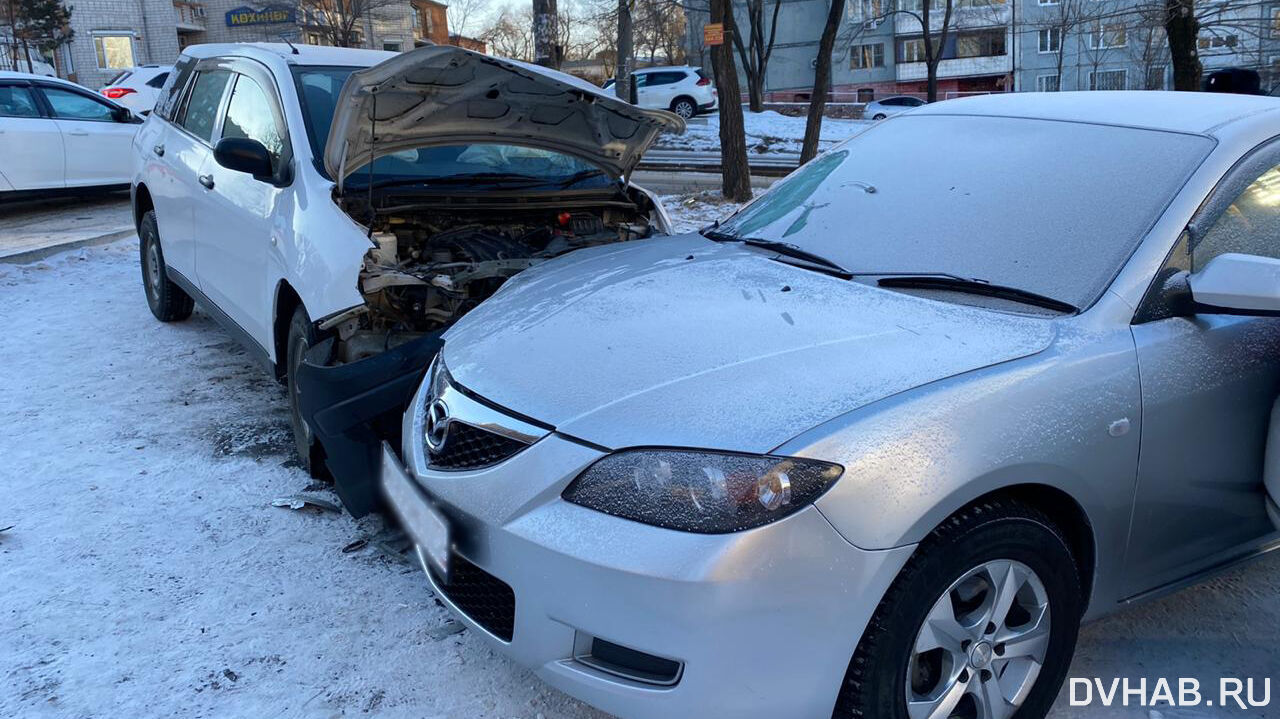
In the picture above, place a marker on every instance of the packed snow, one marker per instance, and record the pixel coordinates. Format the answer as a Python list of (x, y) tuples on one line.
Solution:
[(768, 132), (147, 573)]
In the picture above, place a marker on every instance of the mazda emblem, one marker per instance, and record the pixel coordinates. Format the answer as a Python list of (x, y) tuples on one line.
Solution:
[(437, 429)]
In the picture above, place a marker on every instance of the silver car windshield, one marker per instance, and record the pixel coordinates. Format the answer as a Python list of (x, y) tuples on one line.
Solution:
[(1054, 208)]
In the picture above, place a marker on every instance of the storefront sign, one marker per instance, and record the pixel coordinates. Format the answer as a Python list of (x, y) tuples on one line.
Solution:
[(245, 15)]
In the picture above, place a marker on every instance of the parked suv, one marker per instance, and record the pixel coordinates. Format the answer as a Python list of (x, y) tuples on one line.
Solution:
[(337, 209), (686, 91)]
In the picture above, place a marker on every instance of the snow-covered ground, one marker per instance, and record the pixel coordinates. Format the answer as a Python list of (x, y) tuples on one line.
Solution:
[(767, 132), (147, 574)]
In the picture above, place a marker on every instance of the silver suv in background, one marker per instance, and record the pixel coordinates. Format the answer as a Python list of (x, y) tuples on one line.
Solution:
[(686, 91)]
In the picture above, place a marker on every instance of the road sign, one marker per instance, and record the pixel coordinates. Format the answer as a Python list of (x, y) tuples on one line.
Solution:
[(713, 34)]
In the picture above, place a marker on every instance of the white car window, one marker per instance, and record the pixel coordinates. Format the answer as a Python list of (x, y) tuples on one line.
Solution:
[(1251, 224), (202, 105), (68, 105), (17, 101)]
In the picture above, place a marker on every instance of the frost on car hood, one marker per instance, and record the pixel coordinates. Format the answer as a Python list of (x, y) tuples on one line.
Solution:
[(683, 342), (445, 95)]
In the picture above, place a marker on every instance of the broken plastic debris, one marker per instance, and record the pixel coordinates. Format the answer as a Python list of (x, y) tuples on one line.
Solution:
[(302, 501), (448, 629), (360, 543)]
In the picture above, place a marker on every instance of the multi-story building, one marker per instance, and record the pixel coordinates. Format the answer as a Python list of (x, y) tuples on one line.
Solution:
[(1000, 45), (111, 35)]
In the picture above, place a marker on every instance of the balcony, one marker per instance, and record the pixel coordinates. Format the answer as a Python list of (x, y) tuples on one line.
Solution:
[(958, 67), (191, 15)]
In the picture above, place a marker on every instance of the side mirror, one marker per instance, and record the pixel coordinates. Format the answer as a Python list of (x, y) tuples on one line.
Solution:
[(1237, 284), (122, 114), (244, 155)]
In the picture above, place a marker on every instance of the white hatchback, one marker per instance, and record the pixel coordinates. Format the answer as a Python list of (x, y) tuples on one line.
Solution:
[(56, 135), (138, 88)]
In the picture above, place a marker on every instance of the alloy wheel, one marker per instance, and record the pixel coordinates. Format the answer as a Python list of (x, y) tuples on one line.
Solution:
[(684, 109), (981, 646), (153, 268)]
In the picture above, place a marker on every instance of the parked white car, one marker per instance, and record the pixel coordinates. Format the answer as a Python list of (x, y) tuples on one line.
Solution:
[(260, 192), (56, 135), (137, 88), (684, 90), (890, 106)]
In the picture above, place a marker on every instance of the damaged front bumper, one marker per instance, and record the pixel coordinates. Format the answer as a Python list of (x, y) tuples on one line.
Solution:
[(351, 408)]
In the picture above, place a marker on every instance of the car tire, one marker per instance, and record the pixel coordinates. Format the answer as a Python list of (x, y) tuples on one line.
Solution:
[(879, 116), (302, 337), (684, 107), (168, 302), (950, 583)]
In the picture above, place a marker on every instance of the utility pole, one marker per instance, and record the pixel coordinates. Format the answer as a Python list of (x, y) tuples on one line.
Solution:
[(545, 19), (623, 66)]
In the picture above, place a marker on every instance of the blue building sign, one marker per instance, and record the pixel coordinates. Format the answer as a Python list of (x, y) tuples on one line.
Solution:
[(245, 15)]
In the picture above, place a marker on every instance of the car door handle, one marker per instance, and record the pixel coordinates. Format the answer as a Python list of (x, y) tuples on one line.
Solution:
[(159, 150), (207, 181), (78, 133)]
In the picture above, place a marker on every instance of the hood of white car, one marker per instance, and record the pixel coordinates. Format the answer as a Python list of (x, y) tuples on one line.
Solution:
[(683, 342), (445, 95)]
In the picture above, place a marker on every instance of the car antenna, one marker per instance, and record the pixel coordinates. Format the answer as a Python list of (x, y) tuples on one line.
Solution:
[(285, 36)]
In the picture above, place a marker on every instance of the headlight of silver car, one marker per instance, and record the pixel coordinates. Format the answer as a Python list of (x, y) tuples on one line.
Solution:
[(700, 491)]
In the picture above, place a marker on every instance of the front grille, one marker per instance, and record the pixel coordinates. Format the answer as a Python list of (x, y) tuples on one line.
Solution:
[(485, 599), (468, 447)]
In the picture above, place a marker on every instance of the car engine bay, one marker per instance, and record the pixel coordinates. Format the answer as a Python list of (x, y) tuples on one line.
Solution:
[(435, 259)]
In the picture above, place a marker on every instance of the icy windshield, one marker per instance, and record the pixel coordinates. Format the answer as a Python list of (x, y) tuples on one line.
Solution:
[(1054, 208), (488, 162)]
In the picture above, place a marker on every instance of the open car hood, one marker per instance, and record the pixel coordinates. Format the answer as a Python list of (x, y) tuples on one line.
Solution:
[(444, 95)]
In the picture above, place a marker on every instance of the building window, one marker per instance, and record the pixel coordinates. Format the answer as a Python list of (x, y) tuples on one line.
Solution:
[(864, 10), (1048, 83), (313, 38), (866, 94), (1104, 37), (1155, 78), (911, 50), (1051, 39), (1217, 42), (1048, 2), (391, 45), (866, 56), (115, 52), (1108, 80), (988, 43)]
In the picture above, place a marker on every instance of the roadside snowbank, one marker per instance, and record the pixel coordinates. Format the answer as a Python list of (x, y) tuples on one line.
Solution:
[(767, 132)]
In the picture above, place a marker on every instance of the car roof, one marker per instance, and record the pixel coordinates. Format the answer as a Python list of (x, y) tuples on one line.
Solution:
[(305, 55), (1189, 112), (659, 68), (11, 75)]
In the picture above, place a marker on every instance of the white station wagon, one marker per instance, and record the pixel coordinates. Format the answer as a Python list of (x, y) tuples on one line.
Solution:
[(337, 209)]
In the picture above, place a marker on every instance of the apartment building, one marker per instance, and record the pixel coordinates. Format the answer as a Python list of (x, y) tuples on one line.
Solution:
[(1001, 45), (111, 35)]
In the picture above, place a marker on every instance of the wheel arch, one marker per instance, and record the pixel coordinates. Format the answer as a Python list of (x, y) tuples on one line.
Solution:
[(678, 98), (286, 301), (142, 204)]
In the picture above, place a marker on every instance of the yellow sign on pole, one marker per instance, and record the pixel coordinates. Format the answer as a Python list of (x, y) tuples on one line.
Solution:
[(713, 34)]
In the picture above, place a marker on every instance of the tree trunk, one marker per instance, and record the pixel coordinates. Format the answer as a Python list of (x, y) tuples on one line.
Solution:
[(821, 80), (734, 172), (1182, 29), (755, 92), (623, 66), (544, 32)]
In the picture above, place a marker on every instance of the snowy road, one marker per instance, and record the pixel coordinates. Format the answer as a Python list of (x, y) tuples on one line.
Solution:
[(147, 575)]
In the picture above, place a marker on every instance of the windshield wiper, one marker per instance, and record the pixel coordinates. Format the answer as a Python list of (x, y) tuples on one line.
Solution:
[(785, 249), (972, 286)]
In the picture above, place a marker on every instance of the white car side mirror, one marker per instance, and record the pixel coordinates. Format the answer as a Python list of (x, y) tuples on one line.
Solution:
[(1234, 283)]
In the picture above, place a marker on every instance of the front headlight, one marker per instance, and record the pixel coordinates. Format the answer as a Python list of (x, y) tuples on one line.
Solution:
[(700, 491)]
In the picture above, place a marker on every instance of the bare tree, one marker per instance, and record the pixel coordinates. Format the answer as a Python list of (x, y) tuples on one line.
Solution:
[(735, 174), (462, 13), (821, 81), (1058, 26), (545, 33), (510, 34), (342, 23), (755, 52)]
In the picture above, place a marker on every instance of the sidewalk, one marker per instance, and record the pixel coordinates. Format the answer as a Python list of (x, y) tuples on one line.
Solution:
[(34, 230)]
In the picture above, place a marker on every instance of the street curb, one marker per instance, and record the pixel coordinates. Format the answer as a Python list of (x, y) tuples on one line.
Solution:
[(40, 253)]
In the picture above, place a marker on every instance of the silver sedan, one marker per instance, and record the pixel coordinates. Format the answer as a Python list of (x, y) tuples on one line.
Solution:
[(876, 444)]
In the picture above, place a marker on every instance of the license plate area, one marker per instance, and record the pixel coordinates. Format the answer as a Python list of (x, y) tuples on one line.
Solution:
[(425, 524)]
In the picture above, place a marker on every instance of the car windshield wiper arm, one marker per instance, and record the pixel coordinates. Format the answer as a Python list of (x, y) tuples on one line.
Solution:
[(784, 249), (955, 283)]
